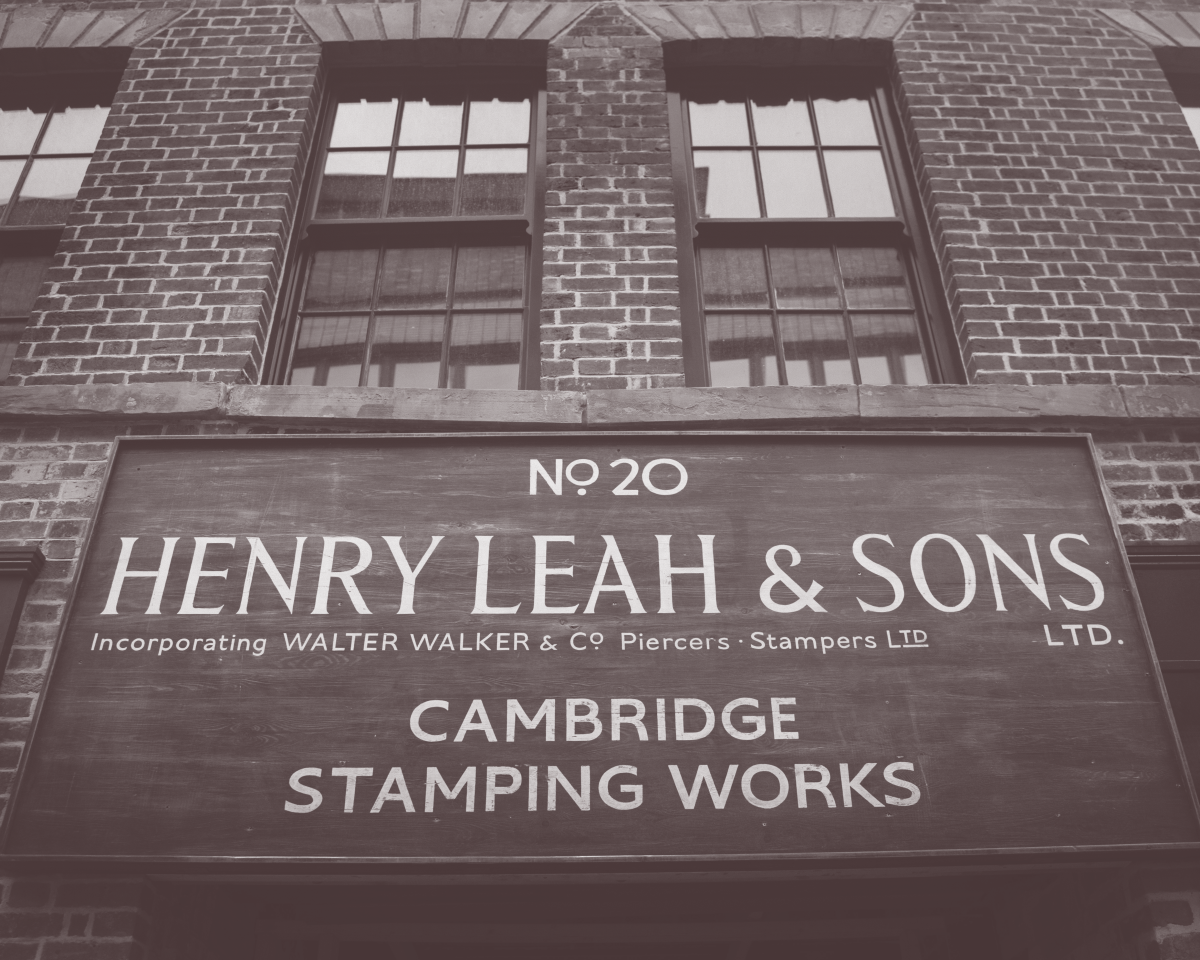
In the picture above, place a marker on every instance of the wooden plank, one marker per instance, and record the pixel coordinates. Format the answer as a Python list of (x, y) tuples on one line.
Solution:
[(1013, 701), (735, 18), (70, 27), (517, 18), (889, 20), (365, 404), (439, 18), (112, 400), (323, 21), (108, 25), (27, 25), (1173, 26), (1012, 402), (700, 20), (398, 20), (714, 405), (361, 20), (481, 17), (558, 18), (659, 21)]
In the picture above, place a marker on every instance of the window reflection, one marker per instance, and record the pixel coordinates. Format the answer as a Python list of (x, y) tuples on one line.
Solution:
[(386, 318), (844, 315)]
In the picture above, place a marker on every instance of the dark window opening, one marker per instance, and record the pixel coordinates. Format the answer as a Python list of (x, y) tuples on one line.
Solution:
[(808, 267), (420, 253)]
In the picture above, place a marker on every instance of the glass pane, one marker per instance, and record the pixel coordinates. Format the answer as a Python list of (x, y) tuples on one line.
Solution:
[(485, 351), (490, 277), (494, 182), (18, 130), (719, 124), (430, 124), (341, 280), (882, 340), (353, 185), (815, 350), (49, 191), (10, 337), (792, 183), (75, 130), (741, 350), (10, 172), (20, 281), (364, 124), (1191, 114), (915, 370), (804, 277), (845, 123), (733, 278), (329, 351), (407, 351), (414, 278), (497, 121), (858, 183), (423, 183), (725, 183), (782, 125), (874, 278)]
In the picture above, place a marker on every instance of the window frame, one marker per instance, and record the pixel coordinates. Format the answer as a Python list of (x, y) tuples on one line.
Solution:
[(50, 92), (313, 235), (907, 231)]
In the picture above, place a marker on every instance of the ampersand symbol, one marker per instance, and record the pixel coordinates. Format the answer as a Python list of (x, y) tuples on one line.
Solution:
[(546, 644), (804, 598)]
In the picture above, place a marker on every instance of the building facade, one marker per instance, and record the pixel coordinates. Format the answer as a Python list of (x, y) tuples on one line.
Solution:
[(443, 218)]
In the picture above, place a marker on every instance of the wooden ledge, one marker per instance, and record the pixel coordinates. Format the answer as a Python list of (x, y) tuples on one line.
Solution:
[(845, 407)]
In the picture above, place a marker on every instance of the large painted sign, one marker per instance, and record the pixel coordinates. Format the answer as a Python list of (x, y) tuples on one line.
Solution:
[(730, 646)]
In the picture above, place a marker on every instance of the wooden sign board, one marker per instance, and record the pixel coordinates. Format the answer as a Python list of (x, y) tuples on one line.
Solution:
[(529, 648)]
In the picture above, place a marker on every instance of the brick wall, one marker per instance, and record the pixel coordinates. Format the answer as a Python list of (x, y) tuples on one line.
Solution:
[(170, 262), (1062, 181), (610, 305)]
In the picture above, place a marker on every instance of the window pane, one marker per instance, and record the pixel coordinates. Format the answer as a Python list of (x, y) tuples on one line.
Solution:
[(733, 278), (10, 172), (430, 124), (490, 277), (874, 278), (364, 124), (782, 125), (741, 350), (494, 182), (329, 351), (74, 130), (497, 121), (414, 278), (1191, 114), (341, 280), (858, 183), (18, 130), (353, 185), (882, 340), (10, 338), (725, 184), (423, 183), (485, 351), (792, 183), (915, 370), (845, 123), (20, 281), (407, 351), (49, 191), (805, 277), (719, 124), (815, 350)]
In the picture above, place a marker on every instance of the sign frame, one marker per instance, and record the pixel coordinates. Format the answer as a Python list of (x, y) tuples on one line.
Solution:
[(719, 861)]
